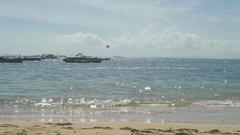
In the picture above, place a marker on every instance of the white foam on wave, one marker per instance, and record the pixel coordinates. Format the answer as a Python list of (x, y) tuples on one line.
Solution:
[(42, 104), (217, 103), (98, 103), (148, 88), (93, 106), (156, 105), (125, 101), (45, 103)]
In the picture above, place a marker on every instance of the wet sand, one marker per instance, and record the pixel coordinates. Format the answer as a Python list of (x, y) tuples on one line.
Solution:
[(126, 128)]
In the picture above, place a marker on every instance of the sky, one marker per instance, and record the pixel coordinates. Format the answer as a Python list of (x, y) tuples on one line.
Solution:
[(132, 28)]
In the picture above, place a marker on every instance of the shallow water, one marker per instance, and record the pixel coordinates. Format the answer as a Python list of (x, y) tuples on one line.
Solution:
[(143, 89)]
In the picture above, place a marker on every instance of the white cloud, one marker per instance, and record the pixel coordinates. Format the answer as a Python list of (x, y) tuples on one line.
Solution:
[(68, 13), (86, 12), (143, 8), (154, 41), (79, 38), (165, 38)]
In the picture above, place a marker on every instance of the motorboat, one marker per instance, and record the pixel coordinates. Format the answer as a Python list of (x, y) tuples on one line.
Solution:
[(80, 58), (10, 59)]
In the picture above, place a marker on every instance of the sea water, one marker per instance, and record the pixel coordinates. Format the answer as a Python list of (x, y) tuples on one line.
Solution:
[(121, 90)]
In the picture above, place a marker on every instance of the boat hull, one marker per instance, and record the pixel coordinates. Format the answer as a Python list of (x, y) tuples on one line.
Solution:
[(31, 59), (11, 60), (80, 60)]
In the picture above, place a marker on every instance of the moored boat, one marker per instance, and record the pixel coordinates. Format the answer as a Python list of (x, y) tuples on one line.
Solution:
[(10, 59), (32, 58), (80, 58), (49, 56)]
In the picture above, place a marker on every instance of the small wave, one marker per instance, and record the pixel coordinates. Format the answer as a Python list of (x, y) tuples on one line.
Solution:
[(108, 103), (66, 68), (95, 103), (43, 104), (217, 103), (140, 68)]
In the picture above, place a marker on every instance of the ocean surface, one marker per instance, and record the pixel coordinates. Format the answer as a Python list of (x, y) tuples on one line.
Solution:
[(122, 90)]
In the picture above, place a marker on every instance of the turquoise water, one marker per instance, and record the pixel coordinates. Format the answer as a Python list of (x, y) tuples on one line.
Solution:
[(136, 89)]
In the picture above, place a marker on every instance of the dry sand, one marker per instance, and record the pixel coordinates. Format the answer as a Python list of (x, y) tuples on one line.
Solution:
[(115, 128)]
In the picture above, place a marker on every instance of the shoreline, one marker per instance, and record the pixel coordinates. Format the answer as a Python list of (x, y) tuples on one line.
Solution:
[(123, 128)]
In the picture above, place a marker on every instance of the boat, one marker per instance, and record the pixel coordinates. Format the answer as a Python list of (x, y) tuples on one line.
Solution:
[(49, 56), (32, 58), (10, 59), (80, 58)]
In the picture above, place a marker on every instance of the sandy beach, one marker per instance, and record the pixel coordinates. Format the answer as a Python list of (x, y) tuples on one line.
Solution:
[(128, 128)]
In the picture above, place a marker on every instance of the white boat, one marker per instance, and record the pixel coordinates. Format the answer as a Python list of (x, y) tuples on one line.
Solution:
[(80, 58)]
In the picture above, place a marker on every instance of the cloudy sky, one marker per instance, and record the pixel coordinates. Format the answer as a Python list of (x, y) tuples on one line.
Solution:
[(132, 28)]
